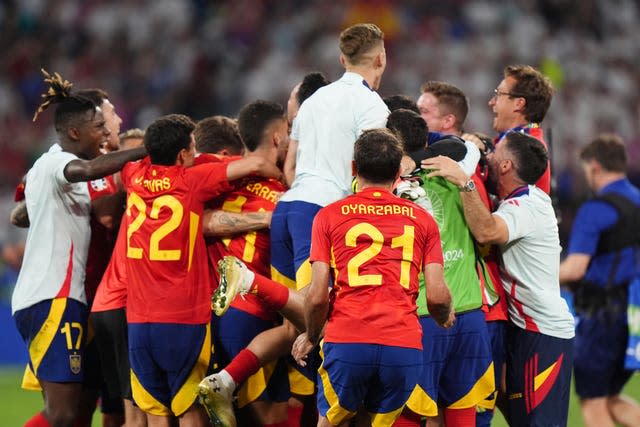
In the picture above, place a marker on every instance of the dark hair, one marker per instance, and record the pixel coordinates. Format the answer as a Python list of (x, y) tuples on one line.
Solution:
[(534, 87), (396, 102), (377, 154), (97, 96), (69, 106), (451, 100), (410, 127), (530, 156), (254, 118), (607, 149), (216, 133), (167, 136), (358, 40), (310, 84)]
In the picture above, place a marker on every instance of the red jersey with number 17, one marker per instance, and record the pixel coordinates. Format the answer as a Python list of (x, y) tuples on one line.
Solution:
[(168, 274), (377, 244)]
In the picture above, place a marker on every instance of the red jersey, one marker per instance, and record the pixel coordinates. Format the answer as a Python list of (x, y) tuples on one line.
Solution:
[(253, 248), (168, 274), (213, 251), (377, 244), (102, 239), (112, 290)]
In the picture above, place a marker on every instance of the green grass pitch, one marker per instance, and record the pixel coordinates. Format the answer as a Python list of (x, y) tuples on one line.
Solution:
[(17, 405)]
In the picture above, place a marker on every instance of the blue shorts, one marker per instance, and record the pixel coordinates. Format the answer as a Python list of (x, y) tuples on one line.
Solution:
[(291, 243), (55, 331), (290, 248), (457, 368), (599, 353), (235, 330), (380, 378), (168, 361), (538, 378)]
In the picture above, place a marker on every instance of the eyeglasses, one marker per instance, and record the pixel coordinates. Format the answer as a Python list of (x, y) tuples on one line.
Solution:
[(497, 93)]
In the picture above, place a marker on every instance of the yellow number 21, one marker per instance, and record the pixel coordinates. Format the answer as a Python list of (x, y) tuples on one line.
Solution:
[(404, 241)]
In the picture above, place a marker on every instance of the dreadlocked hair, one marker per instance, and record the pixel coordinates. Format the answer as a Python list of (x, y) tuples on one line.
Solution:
[(69, 105)]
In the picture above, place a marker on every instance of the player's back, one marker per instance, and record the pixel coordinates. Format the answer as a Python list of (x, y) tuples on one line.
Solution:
[(253, 247), (326, 127), (168, 273), (378, 243)]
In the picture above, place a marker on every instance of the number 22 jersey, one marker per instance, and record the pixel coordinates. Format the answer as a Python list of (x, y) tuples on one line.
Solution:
[(169, 278)]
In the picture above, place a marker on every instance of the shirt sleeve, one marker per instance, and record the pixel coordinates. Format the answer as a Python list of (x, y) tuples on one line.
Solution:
[(433, 245), (60, 160), (295, 128), (210, 179), (593, 217), (471, 159), (320, 238), (101, 187), (519, 221)]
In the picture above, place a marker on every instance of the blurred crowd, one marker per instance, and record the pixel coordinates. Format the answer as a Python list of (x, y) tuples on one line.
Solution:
[(201, 58)]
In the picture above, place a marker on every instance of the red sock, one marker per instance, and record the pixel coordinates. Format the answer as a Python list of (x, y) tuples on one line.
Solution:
[(460, 417), (270, 291), (243, 366), (408, 419), (38, 420), (294, 415)]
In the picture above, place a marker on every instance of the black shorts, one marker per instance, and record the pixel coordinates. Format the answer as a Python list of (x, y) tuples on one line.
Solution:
[(110, 328)]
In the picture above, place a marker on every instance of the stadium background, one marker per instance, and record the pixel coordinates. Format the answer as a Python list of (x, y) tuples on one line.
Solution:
[(201, 57)]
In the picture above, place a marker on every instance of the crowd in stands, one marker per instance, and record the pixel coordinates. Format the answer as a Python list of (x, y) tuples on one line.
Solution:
[(201, 58)]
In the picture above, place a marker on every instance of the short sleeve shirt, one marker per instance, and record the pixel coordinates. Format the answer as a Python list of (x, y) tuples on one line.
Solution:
[(531, 264), (58, 238), (326, 128)]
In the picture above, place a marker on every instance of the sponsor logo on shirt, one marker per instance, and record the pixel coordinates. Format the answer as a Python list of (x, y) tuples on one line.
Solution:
[(99, 184)]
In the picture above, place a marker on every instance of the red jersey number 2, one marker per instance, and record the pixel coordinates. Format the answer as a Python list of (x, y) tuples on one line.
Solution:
[(174, 221)]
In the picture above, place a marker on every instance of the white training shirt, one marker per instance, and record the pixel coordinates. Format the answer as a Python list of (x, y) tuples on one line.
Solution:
[(531, 264), (55, 254), (326, 128)]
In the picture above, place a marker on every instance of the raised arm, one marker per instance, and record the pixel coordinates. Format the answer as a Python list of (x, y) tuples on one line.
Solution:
[(252, 165), (290, 162), (485, 227), (106, 164), (219, 223)]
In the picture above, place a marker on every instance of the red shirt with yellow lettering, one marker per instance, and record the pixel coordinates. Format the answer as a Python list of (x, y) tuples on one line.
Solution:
[(253, 248), (377, 244), (168, 274)]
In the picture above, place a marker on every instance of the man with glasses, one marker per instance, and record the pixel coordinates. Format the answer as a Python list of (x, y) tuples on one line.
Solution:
[(519, 103)]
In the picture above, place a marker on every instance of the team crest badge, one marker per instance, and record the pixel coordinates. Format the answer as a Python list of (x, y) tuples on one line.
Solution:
[(75, 363), (99, 184)]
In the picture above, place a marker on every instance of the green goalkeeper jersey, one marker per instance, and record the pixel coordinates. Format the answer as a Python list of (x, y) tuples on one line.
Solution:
[(442, 200)]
